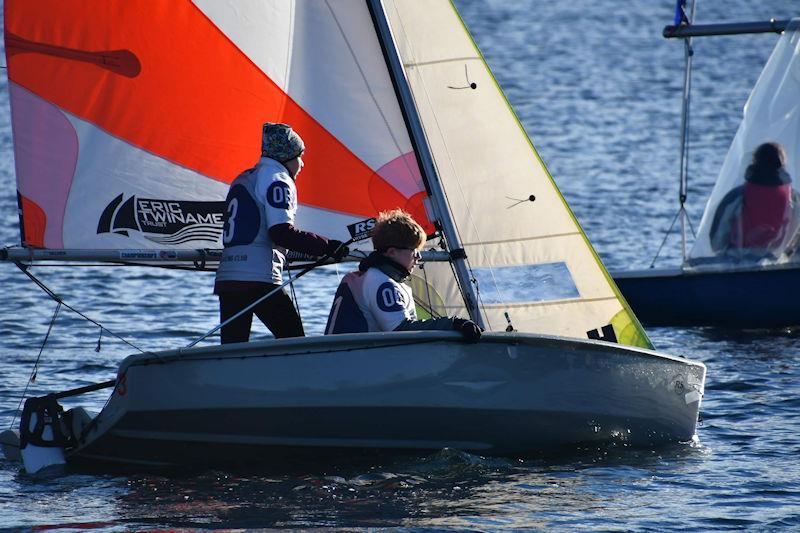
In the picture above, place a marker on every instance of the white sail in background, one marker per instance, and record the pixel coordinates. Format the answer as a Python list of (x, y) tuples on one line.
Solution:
[(771, 114), (529, 255)]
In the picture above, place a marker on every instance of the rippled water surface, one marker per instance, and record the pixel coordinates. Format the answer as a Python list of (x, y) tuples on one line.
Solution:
[(598, 90)]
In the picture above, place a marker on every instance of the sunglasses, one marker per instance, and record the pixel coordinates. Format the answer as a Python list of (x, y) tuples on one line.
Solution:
[(417, 253)]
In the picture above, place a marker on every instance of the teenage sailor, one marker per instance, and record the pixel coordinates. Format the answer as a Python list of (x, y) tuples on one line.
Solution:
[(761, 216), (374, 298), (259, 228)]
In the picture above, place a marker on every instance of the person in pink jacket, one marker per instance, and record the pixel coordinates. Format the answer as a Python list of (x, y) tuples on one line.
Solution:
[(757, 217)]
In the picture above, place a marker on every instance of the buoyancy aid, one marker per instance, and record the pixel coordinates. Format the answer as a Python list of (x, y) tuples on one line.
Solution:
[(765, 215), (258, 199), (374, 298), (347, 313)]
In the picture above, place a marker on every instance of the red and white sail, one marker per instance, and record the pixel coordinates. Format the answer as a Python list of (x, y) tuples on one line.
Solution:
[(131, 117)]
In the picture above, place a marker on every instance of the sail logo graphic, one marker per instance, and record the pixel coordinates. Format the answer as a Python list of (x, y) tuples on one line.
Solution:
[(361, 230), (166, 222)]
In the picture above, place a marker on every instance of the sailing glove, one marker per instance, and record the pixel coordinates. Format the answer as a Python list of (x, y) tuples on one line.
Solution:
[(468, 329), (336, 250)]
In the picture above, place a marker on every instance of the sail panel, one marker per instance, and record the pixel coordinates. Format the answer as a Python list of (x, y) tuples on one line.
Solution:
[(508, 210), (246, 22), (771, 114)]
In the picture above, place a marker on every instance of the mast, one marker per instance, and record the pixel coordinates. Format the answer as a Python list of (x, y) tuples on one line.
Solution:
[(684, 175), (686, 30), (425, 158)]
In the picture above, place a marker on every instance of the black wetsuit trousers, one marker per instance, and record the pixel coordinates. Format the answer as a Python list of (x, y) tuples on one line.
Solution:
[(276, 312)]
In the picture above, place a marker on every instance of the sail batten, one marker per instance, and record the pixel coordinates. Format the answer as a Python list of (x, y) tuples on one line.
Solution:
[(440, 61), (519, 239), (580, 301)]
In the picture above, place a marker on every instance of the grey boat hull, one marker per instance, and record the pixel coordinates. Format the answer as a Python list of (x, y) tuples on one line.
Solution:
[(510, 394)]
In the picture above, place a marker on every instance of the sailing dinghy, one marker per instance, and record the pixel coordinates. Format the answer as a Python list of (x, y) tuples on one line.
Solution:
[(126, 140), (720, 284)]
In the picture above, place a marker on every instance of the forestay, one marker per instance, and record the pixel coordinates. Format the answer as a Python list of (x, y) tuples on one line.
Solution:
[(771, 114), (122, 145)]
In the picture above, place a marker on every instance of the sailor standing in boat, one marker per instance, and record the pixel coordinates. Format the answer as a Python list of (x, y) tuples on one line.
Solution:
[(374, 298), (259, 228)]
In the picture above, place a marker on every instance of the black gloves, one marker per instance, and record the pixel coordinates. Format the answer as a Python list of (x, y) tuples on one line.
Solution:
[(468, 329), (336, 250)]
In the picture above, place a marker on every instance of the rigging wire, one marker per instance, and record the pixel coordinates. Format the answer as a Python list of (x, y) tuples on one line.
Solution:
[(666, 236), (669, 231), (295, 301), (374, 99), (691, 227), (427, 287), (429, 306), (684, 19), (685, 126), (58, 299), (35, 370), (321, 261)]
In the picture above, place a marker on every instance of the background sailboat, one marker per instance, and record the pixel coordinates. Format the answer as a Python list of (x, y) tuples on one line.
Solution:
[(403, 112), (734, 286)]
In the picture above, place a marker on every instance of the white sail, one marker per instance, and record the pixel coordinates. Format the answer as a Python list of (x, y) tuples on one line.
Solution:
[(771, 114), (526, 249)]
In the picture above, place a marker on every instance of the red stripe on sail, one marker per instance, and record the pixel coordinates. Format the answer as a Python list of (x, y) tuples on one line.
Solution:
[(197, 100), (34, 222)]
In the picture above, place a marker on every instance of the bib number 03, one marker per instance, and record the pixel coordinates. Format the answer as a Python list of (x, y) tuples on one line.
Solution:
[(242, 218)]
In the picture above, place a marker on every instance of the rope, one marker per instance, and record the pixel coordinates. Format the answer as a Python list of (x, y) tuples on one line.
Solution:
[(427, 289), (428, 306), (248, 308), (295, 301), (36, 364), (58, 299), (480, 300)]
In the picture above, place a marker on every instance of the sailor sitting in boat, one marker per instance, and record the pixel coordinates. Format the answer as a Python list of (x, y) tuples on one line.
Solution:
[(259, 228), (759, 218), (374, 298)]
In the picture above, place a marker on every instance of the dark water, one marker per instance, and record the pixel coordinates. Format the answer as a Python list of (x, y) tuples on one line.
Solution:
[(598, 90)]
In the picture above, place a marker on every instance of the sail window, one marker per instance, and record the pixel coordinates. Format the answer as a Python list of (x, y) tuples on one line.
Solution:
[(525, 283)]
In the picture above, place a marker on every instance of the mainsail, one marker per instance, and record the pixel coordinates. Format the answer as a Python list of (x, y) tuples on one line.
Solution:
[(120, 144)]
